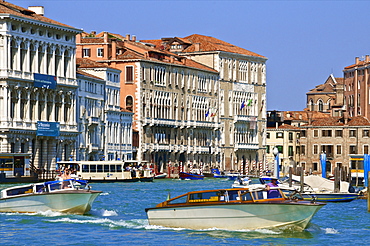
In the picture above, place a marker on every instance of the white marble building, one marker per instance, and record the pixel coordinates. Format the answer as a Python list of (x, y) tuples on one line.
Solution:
[(32, 45), (106, 130)]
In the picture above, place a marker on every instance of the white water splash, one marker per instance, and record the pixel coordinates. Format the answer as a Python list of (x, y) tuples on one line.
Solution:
[(330, 231)]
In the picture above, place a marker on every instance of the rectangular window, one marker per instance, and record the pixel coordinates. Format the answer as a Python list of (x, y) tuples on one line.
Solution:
[(268, 149), (365, 133), (279, 135), (316, 133), (100, 52), (352, 133), (86, 52), (352, 149), (338, 133), (268, 135), (129, 74), (290, 151), (326, 133), (303, 150), (315, 149), (366, 149), (290, 136), (303, 133), (339, 149)]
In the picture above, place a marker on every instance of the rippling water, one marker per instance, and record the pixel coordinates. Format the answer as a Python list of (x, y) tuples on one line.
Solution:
[(118, 218)]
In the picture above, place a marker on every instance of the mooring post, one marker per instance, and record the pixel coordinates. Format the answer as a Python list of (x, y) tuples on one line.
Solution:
[(368, 187), (290, 176)]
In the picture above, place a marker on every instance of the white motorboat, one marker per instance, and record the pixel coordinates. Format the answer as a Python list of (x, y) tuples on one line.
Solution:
[(67, 196), (233, 209)]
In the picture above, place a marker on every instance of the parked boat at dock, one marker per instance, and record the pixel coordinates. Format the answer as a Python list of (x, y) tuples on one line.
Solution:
[(193, 175), (314, 188), (67, 196), (233, 209), (109, 171)]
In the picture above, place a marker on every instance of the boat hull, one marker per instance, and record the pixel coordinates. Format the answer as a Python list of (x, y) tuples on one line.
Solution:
[(292, 215), (69, 201), (331, 197), (191, 176)]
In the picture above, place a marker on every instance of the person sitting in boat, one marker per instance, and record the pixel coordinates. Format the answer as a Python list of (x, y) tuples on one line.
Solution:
[(66, 175), (272, 193)]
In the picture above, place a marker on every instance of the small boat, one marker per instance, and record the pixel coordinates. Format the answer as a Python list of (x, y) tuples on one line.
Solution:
[(315, 187), (160, 176), (233, 209), (233, 176), (217, 174), (191, 176), (67, 196)]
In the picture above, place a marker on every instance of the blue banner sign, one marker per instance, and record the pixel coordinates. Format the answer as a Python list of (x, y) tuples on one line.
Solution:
[(44, 81), (50, 129)]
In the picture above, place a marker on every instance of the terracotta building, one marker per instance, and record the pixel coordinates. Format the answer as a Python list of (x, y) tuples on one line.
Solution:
[(328, 97), (356, 87)]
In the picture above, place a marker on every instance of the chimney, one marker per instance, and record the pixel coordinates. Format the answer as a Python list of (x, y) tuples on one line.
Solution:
[(345, 117), (133, 38), (127, 37), (114, 49), (105, 37), (39, 10), (197, 47), (367, 58), (309, 116), (93, 33), (357, 60)]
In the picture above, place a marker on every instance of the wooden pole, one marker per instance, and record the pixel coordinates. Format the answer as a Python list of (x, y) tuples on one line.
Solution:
[(290, 176), (302, 180)]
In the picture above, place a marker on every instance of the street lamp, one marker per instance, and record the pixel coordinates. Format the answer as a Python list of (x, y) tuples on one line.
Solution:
[(276, 162)]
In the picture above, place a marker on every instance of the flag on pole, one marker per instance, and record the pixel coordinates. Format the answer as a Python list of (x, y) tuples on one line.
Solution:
[(249, 102), (207, 113), (213, 114), (243, 105)]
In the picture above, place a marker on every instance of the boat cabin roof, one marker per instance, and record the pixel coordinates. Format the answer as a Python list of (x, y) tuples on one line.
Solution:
[(244, 195)]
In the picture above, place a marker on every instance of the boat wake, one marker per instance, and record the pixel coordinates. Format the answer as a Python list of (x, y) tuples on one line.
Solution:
[(330, 231)]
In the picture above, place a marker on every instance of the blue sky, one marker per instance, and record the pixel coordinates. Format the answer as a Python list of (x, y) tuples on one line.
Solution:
[(304, 41)]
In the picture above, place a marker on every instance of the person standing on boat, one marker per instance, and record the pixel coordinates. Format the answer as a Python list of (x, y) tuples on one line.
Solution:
[(272, 193), (66, 175)]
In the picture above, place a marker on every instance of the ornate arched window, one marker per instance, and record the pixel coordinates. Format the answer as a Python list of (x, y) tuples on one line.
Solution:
[(320, 105)]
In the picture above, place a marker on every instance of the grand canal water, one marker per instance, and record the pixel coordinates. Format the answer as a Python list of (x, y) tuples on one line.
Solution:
[(118, 218)]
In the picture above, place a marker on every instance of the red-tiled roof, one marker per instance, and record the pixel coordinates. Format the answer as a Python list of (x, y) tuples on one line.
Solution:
[(207, 43), (9, 8), (303, 115), (139, 50), (87, 63), (284, 127), (339, 121), (88, 75)]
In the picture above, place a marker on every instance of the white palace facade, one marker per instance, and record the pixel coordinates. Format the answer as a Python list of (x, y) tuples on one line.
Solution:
[(40, 95)]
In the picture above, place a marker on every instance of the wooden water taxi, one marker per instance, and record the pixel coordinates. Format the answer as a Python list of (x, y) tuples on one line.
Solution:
[(233, 209)]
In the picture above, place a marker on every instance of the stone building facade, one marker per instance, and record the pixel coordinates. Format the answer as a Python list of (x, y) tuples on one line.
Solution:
[(106, 130), (338, 137), (173, 99), (242, 96), (33, 47)]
